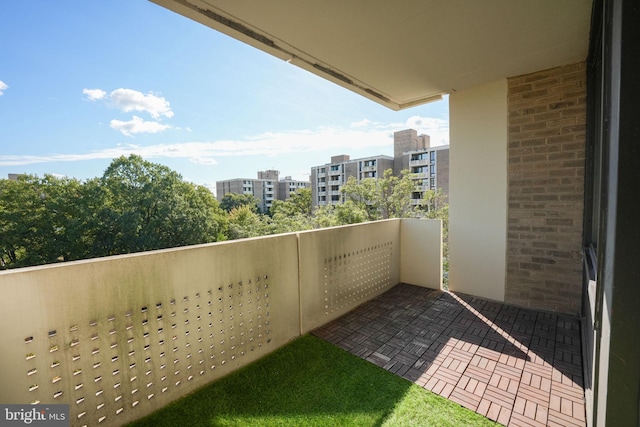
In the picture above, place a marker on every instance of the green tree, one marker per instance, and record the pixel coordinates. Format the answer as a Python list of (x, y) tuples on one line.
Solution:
[(345, 213), (394, 195), (364, 196), (245, 222), (294, 214), (382, 198), (232, 201), (148, 206), (299, 203), (41, 221), (21, 211)]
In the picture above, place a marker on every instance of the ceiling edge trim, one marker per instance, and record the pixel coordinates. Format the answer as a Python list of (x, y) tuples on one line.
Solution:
[(310, 65)]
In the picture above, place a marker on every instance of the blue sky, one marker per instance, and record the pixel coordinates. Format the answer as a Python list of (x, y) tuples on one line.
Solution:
[(82, 82)]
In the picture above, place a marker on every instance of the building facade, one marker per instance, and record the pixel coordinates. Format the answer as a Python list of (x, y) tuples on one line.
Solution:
[(266, 188), (327, 180), (429, 168), (287, 186)]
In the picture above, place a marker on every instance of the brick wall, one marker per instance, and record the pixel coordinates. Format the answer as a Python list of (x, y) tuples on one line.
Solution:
[(443, 172), (547, 114)]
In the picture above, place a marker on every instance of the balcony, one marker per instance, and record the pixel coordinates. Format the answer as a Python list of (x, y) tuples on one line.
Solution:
[(420, 162), (420, 175), (335, 182), (418, 202), (131, 333), (368, 168)]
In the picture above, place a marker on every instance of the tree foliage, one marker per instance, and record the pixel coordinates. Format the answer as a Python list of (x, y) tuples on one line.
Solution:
[(382, 198), (148, 206), (294, 214), (299, 203), (244, 222), (135, 206), (232, 201), (40, 221)]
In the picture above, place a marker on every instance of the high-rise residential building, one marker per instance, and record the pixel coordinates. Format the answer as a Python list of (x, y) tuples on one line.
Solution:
[(266, 188), (288, 186), (429, 167), (328, 179)]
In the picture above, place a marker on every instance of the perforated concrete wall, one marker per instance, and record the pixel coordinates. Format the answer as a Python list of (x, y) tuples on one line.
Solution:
[(120, 337), (343, 267)]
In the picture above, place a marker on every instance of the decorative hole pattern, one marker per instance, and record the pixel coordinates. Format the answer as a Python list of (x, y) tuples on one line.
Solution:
[(352, 278), (105, 366)]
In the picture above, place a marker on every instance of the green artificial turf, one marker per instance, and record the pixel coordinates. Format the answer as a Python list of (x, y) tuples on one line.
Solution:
[(313, 383)]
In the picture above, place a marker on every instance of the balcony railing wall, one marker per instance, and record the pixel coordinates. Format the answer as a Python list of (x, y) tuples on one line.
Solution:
[(117, 338)]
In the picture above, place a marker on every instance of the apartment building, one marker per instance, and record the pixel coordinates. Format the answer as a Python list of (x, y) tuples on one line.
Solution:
[(429, 167), (266, 188), (328, 179), (288, 186)]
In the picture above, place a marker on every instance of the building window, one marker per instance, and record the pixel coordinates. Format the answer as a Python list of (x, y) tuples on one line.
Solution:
[(432, 156)]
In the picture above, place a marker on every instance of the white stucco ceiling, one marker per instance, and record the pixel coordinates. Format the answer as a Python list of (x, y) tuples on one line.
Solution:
[(405, 52)]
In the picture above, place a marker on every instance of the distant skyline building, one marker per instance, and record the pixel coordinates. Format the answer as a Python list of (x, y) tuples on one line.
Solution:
[(266, 188), (328, 179), (429, 167)]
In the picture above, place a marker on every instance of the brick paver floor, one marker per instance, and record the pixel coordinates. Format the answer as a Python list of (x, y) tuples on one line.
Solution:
[(513, 365)]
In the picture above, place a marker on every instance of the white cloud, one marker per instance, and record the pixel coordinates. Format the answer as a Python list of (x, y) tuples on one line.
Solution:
[(137, 125), (437, 129), (378, 136), (94, 94), (361, 123), (3, 87), (129, 100)]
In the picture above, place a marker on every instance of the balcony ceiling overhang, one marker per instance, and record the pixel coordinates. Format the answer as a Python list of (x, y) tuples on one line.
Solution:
[(403, 53)]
